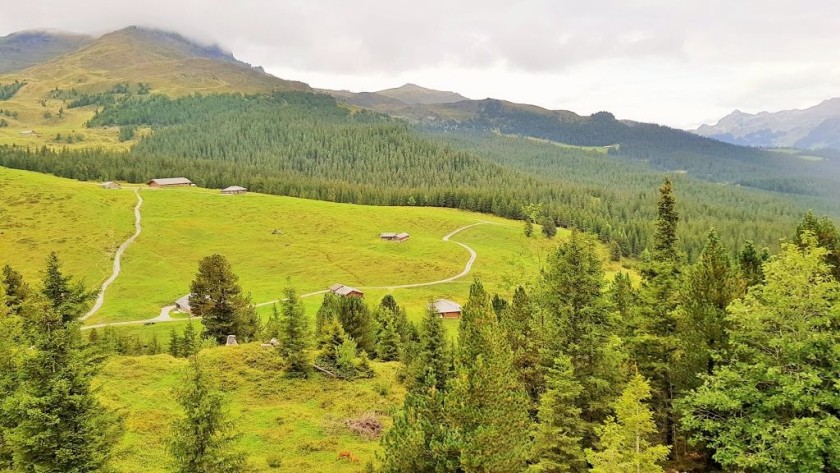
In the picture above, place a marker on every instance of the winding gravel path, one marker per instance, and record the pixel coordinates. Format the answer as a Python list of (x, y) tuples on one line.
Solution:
[(100, 299), (165, 316)]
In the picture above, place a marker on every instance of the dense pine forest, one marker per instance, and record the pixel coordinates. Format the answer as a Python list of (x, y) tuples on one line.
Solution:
[(306, 145), (723, 364)]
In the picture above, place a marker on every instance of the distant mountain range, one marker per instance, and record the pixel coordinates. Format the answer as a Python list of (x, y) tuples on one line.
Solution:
[(816, 127)]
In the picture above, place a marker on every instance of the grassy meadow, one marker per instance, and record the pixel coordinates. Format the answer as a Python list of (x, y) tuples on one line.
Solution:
[(300, 422), (271, 241)]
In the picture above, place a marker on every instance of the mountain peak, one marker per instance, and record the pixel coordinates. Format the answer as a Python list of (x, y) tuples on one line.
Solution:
[(26, 48), (413, 94)]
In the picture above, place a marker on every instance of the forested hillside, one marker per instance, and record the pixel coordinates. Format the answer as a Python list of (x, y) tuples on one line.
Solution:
[(305, 145)]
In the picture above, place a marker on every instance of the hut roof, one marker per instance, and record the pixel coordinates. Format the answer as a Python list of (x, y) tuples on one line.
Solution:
[(402, 236), (171, 181), (444, 306), (343, 290), (234, 189), (387, 235), (183, 302)]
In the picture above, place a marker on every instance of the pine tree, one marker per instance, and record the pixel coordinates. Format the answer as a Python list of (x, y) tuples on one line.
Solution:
[(626, 441), (557, 437), (665, 236), (578, 324), (525, 334), (294, 336), (750, 260), (215, 296), (388, 342), (154, 346), (203, 440), (58, 423), (549, 227), (488, 403), (174, 343), (190, 343), (529, 228), (17, 290), (273, 325), (65, 296), (328, 311), (827, 237), (421, 439), (433, 358), (709, 286), (10, 327), (356, 319)]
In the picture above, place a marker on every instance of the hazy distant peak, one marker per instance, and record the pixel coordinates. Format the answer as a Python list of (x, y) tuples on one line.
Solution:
[(172, 40), (414, 94), (26, 48)]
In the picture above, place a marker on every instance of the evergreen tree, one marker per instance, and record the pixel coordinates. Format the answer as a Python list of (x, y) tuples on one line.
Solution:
[(388, 342), (215, 296), (771, 405), (57, 422), (499, 304), (488, 403), (10, 327), (615, 251), (549, 227), (294, 336), (190, 343), (65, 296), (750, 260), (653, 339), (174, 343), (356, 319), (421, 439), (626, 442), (827, 237), (273, 325), (17, 290), (529, 228), (525, 334), (578, 324), (203, 440), (328, 311), (709, 286), (154, 346), (623, 298), (557, 437), (665, 236), (433, 358)]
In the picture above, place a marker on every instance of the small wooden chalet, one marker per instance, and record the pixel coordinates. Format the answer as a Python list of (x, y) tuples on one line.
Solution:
[(346, 291), (183, 304), (394, 236), (109, 185), (170, 182), (234, 190), (446, 308), (28, 133)]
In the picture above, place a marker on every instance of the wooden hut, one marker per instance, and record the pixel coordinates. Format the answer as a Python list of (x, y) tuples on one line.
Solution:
[(183, 304), (446, 308), (234, 190), (109, 185), (170, 182), (346, 291)]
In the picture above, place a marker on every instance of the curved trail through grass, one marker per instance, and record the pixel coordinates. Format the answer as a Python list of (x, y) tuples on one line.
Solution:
[(100, 299), (165, 311)]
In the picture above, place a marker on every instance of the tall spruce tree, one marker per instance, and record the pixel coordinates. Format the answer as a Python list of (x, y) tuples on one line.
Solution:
[(17, 290), (10, 327), (771, 405), (579, 324), (486, 399), (215, 295), (557, 437), (356, 319), (525, 333), (654, 340), (627, 441), (57, 423), (709, 286), (203, 440), (294, 336), (388, 340), (65, 296), (750, 260)]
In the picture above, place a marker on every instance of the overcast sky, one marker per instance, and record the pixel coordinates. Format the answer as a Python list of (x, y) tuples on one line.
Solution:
[(676, 62)]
